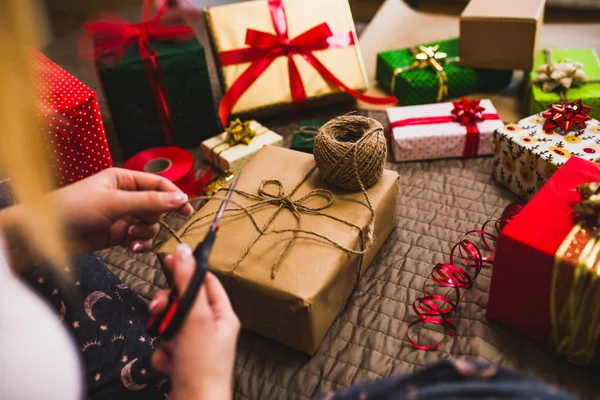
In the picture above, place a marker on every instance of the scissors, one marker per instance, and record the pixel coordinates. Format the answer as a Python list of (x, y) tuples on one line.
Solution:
[(167, 323)]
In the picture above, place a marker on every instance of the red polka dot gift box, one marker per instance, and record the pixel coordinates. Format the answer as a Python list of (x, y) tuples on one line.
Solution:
[(73, 126), (443, 130), (529, 152)]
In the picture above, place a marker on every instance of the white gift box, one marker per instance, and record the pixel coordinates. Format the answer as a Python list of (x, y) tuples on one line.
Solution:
[(225, 157), (430, 132)]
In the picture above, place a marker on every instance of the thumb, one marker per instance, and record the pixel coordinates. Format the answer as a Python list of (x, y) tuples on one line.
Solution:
[(148, 202)]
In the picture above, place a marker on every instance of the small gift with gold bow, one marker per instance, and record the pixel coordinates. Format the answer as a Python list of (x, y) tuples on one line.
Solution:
[(564, 75), (546, 279), (431, 73), (457, 129), (292, 247), (528, 152), (232, 149)]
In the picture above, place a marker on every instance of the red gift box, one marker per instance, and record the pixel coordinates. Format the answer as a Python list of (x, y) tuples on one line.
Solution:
[(539, 249), (75, 134)]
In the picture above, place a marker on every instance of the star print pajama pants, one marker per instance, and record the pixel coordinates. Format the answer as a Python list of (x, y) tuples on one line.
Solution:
[(108, 322)]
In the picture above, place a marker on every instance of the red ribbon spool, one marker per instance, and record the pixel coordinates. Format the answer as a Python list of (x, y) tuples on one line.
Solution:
[(173, 163)]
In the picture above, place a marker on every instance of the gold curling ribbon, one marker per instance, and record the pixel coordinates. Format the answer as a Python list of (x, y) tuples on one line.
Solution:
[(237, 132), (428, 57), (576, 320)]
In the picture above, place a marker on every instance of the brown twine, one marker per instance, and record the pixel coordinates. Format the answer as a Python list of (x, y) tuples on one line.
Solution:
[(350, 155), (307, 130)]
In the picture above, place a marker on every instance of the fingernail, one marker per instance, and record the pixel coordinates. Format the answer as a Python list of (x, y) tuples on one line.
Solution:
[(177, 198), (136, 247), (130, 230), (184, 253), (152, 305)]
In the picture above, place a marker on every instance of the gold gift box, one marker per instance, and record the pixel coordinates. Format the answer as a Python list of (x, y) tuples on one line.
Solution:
[(297, 305), (227, 25)]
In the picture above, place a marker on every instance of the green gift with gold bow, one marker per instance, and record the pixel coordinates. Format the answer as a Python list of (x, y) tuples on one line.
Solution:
[(565, 75), (432, 73)]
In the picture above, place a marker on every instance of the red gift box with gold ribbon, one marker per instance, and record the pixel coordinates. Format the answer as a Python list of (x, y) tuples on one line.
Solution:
[(74, 131), (545, 281)]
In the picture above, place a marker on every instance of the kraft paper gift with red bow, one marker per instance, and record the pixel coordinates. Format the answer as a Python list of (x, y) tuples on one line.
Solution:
[(545, 280), (528, 152), (74, 131), (457, 129), (286, 54)]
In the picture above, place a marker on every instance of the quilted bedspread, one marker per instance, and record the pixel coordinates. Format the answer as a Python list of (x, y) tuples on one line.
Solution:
[(437, 203)]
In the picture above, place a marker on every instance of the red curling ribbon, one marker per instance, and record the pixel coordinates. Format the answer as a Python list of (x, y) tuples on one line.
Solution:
[(435, 308), (264, 47), (567, 116), (467, 113), (110, 36)]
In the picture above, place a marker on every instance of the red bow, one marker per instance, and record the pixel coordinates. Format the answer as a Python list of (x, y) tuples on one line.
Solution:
[(265, 47), (110, 36), (567, 116), (467, 112)]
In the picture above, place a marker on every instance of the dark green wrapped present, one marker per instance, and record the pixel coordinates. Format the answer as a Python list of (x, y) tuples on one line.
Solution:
[(304, 137), (431, 73), (132, 97)]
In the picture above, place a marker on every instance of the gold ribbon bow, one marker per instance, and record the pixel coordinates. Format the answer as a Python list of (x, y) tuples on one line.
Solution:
[(575, 302), (560, 75), (237, 132), (428, 57)]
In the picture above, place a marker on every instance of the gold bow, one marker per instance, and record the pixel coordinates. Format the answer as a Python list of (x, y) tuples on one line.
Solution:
[(239, 132), (428, 57), (575, 303)]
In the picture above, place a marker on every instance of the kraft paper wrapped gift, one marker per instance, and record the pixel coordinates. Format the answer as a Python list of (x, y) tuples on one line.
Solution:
[(432, 72), (232, 149), (234, 27), (545, 277), (299, 302), (526, 155), (500, 34), (565, 74), (432, 131)]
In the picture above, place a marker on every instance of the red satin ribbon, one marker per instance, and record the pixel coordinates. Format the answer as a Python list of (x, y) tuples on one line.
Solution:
[(111, 36), (264, 47), (473, 134), (435, 308)]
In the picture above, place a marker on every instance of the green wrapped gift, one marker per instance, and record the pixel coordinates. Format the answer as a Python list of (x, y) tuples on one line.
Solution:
[(304, 136), (565, 75), (431, 73), (186, 86)]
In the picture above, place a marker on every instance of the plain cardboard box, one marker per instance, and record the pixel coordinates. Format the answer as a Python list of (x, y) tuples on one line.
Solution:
[(501, 34)]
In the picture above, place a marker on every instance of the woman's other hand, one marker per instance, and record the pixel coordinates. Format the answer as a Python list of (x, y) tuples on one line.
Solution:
[(117, 207), (200, 357)]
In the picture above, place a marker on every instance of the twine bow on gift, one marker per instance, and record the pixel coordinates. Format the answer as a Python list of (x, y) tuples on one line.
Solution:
[(107, 37), (263, 48), (560, 75), (575, 290), (428, 57)]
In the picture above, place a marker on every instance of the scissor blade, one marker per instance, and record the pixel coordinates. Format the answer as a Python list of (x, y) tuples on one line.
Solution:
[(224, 203)]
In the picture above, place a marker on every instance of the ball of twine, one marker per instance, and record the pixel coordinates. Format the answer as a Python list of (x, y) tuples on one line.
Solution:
[(350, 151)]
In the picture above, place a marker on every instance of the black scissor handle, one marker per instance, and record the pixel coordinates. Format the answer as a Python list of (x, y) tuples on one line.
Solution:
[(167, 323)]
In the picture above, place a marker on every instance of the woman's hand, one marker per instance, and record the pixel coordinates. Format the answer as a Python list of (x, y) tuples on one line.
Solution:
[(200, 357), (117, 207)]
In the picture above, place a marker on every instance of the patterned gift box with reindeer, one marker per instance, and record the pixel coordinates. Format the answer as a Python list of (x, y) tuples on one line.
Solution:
[(526, 155)]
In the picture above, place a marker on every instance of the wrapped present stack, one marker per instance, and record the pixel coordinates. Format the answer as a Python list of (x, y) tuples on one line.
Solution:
[(74, 131)]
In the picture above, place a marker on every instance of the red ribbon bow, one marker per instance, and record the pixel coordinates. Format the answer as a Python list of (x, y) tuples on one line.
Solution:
[(567, 116), (264, 47), (110, 36), (465, 112)]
